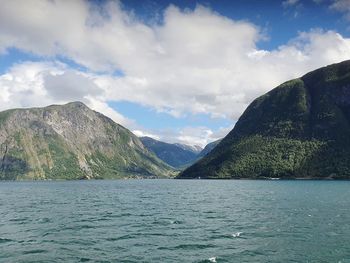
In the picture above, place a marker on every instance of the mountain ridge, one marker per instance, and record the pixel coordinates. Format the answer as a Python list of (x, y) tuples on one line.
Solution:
[(173, 154), (208, 148), (193, 148), (300, 129), (71, 141)]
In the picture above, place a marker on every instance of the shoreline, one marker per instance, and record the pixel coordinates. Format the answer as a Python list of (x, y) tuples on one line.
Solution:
[(184, 179)]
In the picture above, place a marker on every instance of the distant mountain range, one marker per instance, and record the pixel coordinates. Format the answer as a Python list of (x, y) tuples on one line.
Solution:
[(301, 129), (191, 148), (71, 142), (175, 154)]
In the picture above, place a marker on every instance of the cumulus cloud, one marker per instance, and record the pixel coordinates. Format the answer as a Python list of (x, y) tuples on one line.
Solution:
[(194, 61), (23, 85), (70, 85), (38, 84)]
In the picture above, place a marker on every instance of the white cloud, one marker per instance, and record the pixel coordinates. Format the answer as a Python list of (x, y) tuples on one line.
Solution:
[(289, 3), (199, 135), (140, 133), (35, 84), (195, 61), (342, 6), (24, 85), (70, 85)]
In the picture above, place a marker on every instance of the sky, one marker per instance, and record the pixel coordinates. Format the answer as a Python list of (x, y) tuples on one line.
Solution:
[(178, 71)]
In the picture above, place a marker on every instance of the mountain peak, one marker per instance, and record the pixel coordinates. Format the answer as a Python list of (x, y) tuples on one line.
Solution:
[(71, 141), (193, 148), (76, 104)]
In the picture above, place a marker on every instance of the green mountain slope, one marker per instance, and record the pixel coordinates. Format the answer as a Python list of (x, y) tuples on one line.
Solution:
[(173, 154), (71, 142), (208, 148), (301, 129)]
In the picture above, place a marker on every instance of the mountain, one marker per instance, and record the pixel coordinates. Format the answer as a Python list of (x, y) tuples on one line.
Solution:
[(208, 148), (301, 129), (196, 149), (71, 142), (176, 155)]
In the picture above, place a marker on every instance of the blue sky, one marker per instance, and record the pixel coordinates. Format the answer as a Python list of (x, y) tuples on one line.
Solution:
[(150, 118), (281, 22), (180, 71)]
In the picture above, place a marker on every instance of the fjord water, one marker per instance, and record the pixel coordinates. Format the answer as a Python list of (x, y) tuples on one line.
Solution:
[(175, 221)]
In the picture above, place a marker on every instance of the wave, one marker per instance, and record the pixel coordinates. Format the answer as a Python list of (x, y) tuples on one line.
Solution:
[(237, 234), (212, 259), (5, 240)]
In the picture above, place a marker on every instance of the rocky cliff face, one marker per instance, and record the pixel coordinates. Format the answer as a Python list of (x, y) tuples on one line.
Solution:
[(301, 129), (71, 142)]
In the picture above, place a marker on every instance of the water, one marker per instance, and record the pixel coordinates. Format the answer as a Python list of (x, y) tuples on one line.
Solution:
[(175, 221)]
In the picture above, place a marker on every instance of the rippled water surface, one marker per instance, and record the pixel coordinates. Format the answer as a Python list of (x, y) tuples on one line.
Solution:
[(175, 221)]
